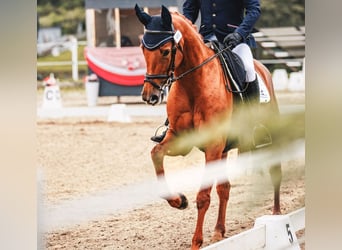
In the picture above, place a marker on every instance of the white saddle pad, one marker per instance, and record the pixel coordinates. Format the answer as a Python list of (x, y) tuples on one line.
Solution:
[(264, 94)]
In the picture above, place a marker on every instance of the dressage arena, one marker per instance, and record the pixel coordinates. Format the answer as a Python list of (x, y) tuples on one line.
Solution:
[(83, 157)]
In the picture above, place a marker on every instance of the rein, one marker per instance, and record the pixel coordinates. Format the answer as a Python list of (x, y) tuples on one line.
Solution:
[(200, 65)]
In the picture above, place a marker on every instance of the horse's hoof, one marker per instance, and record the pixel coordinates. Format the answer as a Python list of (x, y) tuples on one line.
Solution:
[(276, 212), (217, 236), (179, 202), (196, 244), (184, 203)]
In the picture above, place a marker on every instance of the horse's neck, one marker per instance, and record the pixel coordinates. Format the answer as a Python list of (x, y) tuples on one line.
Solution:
[(194, 54)]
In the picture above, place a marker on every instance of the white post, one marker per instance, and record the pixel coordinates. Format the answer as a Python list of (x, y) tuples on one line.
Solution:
[(117, 28), (92, 89), (90, 27), (74, 58)]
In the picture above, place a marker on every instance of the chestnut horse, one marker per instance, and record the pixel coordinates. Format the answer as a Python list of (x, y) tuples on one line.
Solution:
[(175, 53)]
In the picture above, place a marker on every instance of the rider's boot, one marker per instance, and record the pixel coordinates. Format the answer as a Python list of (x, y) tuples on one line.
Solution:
[(159, 138), (261, 135), (253, 91)]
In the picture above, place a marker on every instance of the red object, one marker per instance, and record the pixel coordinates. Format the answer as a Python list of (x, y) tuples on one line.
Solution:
[(123, 66), (49, 81)]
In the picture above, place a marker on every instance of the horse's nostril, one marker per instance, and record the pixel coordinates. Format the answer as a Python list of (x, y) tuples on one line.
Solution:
[(154, 99)]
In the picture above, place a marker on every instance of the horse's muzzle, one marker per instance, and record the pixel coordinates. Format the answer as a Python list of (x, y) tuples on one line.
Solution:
[(152, 99)]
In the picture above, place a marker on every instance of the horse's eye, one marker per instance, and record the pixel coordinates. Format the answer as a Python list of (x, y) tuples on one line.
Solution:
[(165, 52)]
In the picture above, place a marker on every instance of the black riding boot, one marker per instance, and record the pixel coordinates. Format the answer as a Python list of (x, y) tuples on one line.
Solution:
[(159, 138), (253, 92), (261, 135)]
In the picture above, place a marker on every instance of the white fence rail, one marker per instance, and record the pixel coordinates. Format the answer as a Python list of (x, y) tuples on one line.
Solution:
[(60, 63), (270, 232), (56, 48)]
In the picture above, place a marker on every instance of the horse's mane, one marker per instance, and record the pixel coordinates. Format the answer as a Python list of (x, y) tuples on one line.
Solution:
[(178, 18)]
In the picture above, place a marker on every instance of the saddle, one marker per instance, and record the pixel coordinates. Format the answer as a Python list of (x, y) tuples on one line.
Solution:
[(233, 68)]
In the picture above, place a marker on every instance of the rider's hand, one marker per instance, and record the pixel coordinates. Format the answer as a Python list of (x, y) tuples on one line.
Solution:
[(232, 39)]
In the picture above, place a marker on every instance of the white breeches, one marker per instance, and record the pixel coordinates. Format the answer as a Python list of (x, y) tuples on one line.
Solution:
[(245, 53)]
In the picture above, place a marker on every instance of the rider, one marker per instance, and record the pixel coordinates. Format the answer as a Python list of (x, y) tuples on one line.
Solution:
[(230, 22)]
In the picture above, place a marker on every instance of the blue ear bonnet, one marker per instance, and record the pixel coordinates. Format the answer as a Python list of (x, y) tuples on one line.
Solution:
[(156, 34)]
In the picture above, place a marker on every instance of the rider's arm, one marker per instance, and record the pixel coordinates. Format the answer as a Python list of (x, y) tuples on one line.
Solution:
[(191, 10), (253, 11)]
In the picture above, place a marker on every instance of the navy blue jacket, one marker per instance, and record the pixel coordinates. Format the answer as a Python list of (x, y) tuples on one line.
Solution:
[(221, 17)]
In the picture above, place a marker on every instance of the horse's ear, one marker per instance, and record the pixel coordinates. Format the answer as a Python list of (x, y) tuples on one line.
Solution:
[(143, 17), (166, 18)]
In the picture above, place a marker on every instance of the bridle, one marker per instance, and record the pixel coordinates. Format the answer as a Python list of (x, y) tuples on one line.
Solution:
[(169, 77)]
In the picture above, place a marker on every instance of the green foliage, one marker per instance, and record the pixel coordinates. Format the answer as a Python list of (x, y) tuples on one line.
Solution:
[(65, 14), (70, 4), (62, 71), (277, 13)]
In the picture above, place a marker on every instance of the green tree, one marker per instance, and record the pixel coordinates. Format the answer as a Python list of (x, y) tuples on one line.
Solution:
[(278, 13), (66, 14)]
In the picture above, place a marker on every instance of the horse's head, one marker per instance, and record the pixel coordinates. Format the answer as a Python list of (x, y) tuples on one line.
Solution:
[(160, 44)]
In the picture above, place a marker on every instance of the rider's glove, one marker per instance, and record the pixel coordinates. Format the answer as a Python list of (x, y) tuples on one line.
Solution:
[(232, 39)]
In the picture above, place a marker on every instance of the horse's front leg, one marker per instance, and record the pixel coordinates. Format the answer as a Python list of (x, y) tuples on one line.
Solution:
[(157, 154), (203, 197)]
